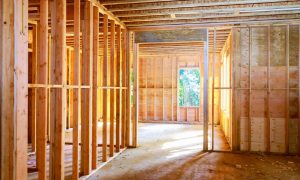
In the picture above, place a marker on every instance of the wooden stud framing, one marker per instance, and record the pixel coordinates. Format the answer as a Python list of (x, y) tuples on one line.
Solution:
[(42, 78), (32, 96), (58, 101), (118, 91), (123, 77), (250, 91), (95, 85), (14, 89), (135, 94), (213, 92), (105, 83), (112, 91), (77, 92), (268, 119), (287, 56), (205, 97), (87, 79)]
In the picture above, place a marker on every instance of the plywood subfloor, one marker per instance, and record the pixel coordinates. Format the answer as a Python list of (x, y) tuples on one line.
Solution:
[(31, 162), (173, 151)]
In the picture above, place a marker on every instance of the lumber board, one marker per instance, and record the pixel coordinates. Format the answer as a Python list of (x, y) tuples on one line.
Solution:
[(77, 92), (58, 101), (95, 85), (112, 91), (86, 103)]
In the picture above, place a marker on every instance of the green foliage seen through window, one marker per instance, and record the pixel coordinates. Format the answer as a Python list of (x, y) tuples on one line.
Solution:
[(189, 87)]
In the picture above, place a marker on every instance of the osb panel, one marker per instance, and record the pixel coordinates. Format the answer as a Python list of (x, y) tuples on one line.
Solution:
[(150, 72), (277, 135), (142, 76), (244, 103), (244, 77), (293, 104), (182, 114), (142, 104), (244, 133), (167, 105), (293, 135), (258, 104), (259, 77), (278, 77), (174, 105), (259, 46), (158, 104), (244, 42), (278, 42), (167, 77), (158, 70), (294, 45), (277, 103), (293, 77), (150, 104), (191, 114)]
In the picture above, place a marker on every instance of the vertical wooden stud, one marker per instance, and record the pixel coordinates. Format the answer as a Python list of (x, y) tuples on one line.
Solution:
[(104, 71), (135, 94), (77, 92), (58, 100), (112, 90), (123, 76), (213, 93), (268, 91), (128, 84), (250, 91), (118, 90), (205, 96), (71, 90), (95, 85), (32, 96), (42, 78), (287, 55), (86, 106), (14, 89)]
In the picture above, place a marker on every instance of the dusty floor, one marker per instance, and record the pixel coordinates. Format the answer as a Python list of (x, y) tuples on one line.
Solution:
[(172, 151)]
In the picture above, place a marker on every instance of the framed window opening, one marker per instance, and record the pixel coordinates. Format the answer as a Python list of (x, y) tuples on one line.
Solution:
[(188, 87)]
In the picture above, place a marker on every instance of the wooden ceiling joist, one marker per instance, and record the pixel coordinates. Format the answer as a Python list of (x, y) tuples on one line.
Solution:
[(195, 3), (207, 9)]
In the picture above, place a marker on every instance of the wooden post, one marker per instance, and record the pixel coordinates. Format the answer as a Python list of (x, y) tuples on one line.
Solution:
[(123, 76), (42, 78), (95, 85), (250, 91), (104, 71), (128, 92), (287, 56), (77, 92), (14, 89), (205, 96), (112, 90), (58, 99), (135, 94), (86, 106), (268, 91), (118, 91), (213, 93), (32, 96), (71, 91)]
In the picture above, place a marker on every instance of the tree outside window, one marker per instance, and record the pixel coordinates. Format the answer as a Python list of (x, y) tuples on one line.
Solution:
[(189, 87)]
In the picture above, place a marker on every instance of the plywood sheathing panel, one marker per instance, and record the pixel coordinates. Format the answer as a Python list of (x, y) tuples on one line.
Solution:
[(277, 100)]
